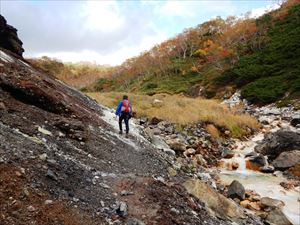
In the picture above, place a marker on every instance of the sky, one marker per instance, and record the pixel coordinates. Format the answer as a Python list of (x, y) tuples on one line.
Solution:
[(110, 31)]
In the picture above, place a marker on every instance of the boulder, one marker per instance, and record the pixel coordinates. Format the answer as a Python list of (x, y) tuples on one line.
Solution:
[(236, 190), (176, 145), (295, 120), (222, 206), (287, 159), (255, 162), (271, 203), (9, 39), (277, 217), (154, 121), (275, 143)]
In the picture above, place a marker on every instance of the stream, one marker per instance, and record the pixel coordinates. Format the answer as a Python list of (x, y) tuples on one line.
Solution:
[(266, 185)]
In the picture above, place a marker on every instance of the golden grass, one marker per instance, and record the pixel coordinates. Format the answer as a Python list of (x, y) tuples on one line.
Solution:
[(182, 110)]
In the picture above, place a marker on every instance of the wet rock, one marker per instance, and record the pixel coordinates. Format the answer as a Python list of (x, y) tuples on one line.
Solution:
[(271, 203), (267, 169), (236, 190), (277, 217), (287, 159), (134, 221), (50, 174), (223, 207), (278, 142), (258, 160), (227, 153)]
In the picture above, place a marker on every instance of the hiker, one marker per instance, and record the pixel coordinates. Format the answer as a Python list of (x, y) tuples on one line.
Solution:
[(124, 111)]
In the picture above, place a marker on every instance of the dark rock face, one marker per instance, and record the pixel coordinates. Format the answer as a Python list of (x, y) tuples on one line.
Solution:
[(236, 190), (287, 159), (278, 142), (9, 39)]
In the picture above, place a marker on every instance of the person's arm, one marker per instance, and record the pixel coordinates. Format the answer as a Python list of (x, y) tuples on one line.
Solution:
[(118, 110)]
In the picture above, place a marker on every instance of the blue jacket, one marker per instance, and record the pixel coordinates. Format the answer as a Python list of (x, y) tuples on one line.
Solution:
[(118, 110)]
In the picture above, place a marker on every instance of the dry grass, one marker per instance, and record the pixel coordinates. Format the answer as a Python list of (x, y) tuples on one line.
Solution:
[(182, 110)]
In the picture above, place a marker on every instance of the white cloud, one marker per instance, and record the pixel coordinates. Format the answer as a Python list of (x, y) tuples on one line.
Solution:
[(255, 13), (102, 15)]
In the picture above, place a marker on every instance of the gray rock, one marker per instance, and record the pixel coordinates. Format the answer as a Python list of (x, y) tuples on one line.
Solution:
[(277, 217), (143, 120), (287, 159), (278, 142), (220, 205), (122, 209), (134, 221), (271, 203), (258, 160), (267, 169), (176, 145), (236, 190), (295, 121), (50, 174)]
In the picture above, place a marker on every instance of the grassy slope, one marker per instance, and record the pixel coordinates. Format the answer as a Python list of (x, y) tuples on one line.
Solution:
[(183, 110)]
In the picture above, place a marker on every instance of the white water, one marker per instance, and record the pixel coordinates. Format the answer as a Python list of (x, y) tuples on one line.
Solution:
[(266, 185)]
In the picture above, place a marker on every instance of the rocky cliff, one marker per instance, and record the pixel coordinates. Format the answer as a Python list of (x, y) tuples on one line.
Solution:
[(9, 38)]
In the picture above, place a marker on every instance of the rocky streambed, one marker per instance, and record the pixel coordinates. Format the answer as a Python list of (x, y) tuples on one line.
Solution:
[(266, 165)]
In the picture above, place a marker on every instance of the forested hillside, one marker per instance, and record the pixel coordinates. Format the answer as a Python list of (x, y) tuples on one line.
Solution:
[(77, 75), (261, 56)]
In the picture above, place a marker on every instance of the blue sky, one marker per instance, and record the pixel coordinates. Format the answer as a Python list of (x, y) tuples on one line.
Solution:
[(108, 32)]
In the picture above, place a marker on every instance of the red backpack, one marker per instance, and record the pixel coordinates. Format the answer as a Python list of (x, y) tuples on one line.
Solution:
[(125, 106)]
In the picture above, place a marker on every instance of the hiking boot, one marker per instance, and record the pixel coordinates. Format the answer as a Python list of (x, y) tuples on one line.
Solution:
[(120, 132), (126, 135)]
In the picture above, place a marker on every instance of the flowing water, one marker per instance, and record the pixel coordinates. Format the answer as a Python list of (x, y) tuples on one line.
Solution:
[(267, 185)]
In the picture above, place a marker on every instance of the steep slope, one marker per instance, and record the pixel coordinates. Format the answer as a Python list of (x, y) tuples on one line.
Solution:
[(61, 163)]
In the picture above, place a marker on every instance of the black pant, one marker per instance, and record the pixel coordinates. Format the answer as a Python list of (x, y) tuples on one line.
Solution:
[(125, 117)]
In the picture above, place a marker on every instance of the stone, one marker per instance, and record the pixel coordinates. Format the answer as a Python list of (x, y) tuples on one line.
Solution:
[(154, 121), (295, 121), (258, 160), (143, 120), (275, 143), (172, 172), (271, 203), (48, 202), (267, 169), (2, 106), (236, 190), (287, 159), (122, 209), (125, 193), (156, 131), (134, 221), (245, 203), (254, 206), (43, 157), (31, 208), (176, 145), (222, 206), (50, 174), (277, 217), (200, 160), (227, 153), (189, 152)]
